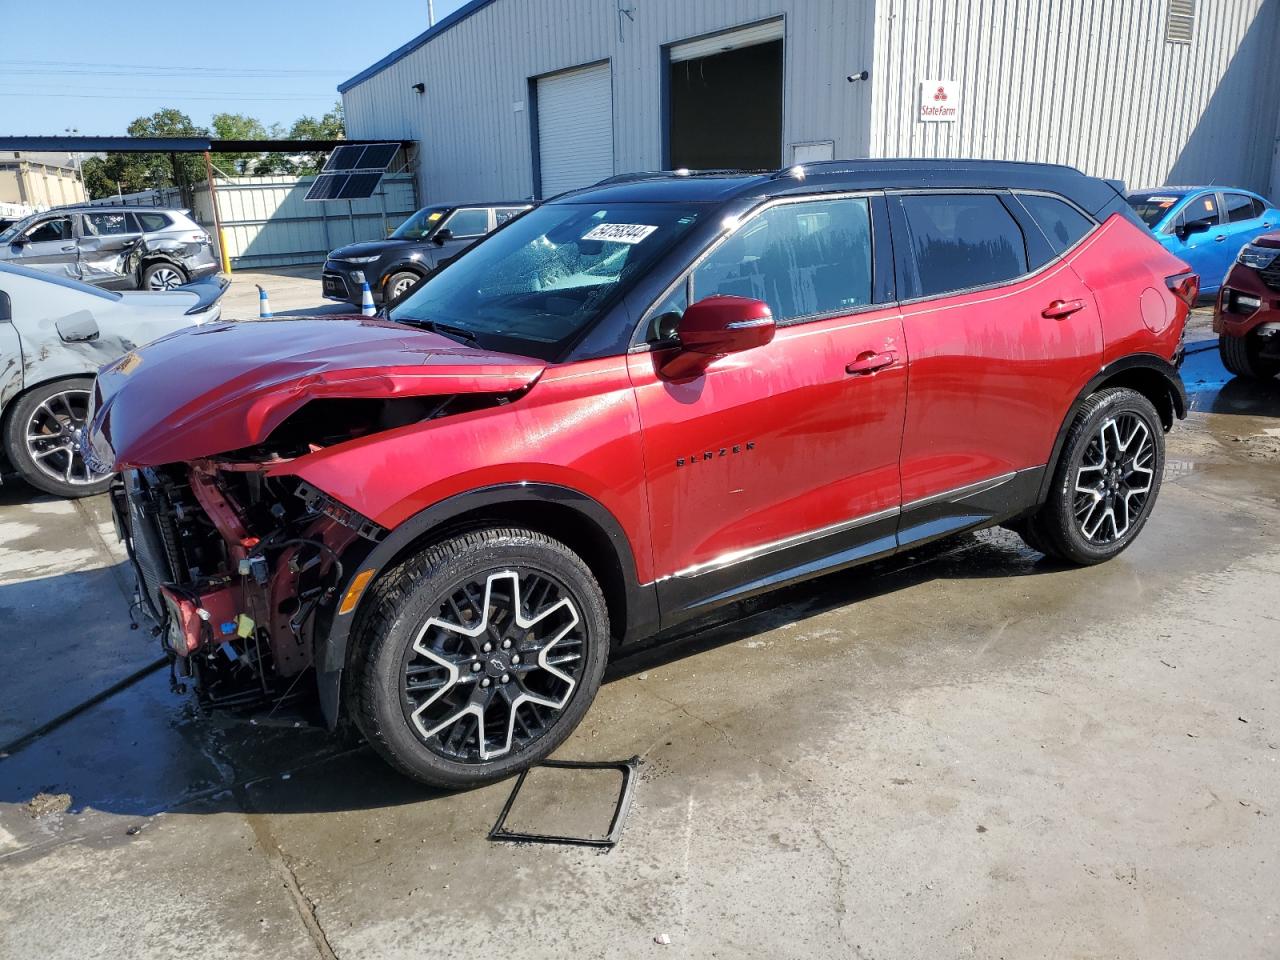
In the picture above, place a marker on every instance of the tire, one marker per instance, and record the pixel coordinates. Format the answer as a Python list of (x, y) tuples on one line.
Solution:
[(42, 437), (1241, 356), (415, 684), (1106, 481), (397, 283), (161, 275)]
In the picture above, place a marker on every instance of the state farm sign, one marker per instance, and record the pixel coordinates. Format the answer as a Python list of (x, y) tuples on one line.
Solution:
[(939, 101)]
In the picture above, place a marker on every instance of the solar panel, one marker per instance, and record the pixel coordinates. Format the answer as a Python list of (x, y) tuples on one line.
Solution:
[(359, 186), (353, 171), (327, 186), (377, 156), (344, 158)]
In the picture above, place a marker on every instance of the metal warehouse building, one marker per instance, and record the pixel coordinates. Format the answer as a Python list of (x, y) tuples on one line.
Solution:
[(527, 98)]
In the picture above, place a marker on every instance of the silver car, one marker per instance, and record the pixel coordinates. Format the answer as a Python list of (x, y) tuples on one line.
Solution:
[(119, 248), (54, 335)]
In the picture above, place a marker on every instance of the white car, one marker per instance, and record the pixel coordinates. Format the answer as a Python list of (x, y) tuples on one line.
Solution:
[(54, 335)]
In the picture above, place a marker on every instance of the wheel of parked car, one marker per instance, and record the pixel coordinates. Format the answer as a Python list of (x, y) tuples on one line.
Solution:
[(42, 439), (1106, 480), (478, 656), (1242, 356), (398, 283), (162, 276)]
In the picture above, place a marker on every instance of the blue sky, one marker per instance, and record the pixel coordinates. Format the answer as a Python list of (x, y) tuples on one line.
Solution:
[(95, 65)]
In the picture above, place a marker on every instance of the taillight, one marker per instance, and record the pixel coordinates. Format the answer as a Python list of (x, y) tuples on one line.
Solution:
[(1184, 286)]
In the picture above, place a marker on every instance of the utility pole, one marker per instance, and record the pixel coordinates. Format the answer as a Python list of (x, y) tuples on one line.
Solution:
[(431, 13)]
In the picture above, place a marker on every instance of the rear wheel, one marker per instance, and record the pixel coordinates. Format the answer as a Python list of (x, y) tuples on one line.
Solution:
[(1106, 480), (479, 656), (1243, 357), (42, 439), (162, 276)]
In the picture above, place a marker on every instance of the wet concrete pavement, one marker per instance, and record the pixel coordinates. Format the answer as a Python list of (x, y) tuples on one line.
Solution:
[(967, 752)]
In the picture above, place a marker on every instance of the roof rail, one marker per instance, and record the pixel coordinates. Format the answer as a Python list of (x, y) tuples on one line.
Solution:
[(679, 172)]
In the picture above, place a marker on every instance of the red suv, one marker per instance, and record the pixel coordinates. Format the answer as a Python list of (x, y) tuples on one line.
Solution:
[(623, 409), (1246, 317)]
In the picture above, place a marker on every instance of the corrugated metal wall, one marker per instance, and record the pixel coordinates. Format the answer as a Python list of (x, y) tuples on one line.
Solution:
[(473, 122), (1091, 83)]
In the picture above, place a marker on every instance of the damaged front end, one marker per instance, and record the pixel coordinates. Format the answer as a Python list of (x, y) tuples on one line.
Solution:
[(232, 568), (240, 562)]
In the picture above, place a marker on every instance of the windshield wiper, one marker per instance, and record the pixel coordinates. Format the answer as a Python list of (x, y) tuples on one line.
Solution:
[(444, 329)]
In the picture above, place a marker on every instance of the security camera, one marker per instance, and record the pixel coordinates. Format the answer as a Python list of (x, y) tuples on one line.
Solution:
[(854, 77)]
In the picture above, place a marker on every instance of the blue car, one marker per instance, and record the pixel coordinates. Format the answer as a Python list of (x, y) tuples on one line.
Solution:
[(1204, 226)]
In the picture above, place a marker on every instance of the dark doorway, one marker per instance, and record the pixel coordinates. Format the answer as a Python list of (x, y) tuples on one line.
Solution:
[(726, 110)]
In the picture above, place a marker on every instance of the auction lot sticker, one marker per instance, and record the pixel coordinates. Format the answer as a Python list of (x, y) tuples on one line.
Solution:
[(619, 232)]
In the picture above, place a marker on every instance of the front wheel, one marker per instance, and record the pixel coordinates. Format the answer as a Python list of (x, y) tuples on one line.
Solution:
[(477, 657), (1243, 357), (42, 439), (398, 283), (1106, 481)]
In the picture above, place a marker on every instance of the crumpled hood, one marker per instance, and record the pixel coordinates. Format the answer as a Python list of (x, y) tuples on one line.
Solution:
[(1266, 240), (211, 389)]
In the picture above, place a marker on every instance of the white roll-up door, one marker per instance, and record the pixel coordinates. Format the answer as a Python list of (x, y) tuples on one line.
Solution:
[(729, 40), (575, 129)]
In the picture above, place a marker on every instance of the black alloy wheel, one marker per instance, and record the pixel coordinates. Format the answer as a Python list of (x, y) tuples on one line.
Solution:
[(1105, 482)]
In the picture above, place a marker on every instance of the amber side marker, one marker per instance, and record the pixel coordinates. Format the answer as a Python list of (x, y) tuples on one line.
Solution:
[(352, 596)]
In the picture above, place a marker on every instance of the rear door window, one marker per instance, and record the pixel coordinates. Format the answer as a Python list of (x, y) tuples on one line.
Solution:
[(107, 224), (961, 241), (1062, 223), (503, 214), (802, 259), (1238, 207)]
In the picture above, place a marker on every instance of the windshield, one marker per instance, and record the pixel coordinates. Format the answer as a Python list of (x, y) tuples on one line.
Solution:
[(534, 285), (1153, 205), (420, 225)]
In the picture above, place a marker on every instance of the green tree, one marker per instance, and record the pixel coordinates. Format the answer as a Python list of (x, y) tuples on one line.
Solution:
[(237, 126), (331, 126), (181, 169)]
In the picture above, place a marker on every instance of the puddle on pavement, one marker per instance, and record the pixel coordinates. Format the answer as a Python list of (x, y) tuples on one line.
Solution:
[(566, 802)]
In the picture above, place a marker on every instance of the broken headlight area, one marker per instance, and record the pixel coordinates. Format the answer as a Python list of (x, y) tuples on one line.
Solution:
[(235, 569)]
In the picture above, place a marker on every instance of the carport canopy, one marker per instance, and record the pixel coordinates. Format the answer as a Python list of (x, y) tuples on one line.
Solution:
[(176, 145)]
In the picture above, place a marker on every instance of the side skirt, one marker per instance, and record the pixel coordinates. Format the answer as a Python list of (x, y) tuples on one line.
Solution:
[(970, 507), (748, 573)]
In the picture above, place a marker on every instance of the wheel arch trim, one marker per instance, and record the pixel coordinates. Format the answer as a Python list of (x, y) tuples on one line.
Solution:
[(1146, 366), (639, 617)]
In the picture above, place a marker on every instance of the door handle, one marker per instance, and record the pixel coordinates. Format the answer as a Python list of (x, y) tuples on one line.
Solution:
[(69, 249), (1061, 309), (870, 362), (1219, 238)]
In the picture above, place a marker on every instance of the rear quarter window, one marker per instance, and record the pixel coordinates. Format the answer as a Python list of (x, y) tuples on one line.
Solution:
[(153, 222), (1062, 223), (961, 241)]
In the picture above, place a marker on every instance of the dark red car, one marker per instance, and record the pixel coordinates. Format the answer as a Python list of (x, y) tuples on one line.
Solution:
[(1246, 316), (625, 408)]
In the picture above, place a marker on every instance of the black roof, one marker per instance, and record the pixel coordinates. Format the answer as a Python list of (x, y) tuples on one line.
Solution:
[(1090, 193)]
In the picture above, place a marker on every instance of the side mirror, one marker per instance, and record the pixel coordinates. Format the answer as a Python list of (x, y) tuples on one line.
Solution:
[(442, 236), (1192, 227), (18, 242), (715, 327)]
